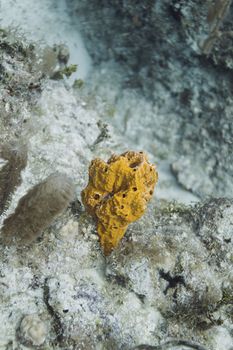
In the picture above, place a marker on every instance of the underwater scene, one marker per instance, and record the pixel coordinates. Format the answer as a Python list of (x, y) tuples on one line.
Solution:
[(116, 174)]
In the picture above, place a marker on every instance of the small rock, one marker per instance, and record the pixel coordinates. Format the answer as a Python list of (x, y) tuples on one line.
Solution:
[(32, 331)]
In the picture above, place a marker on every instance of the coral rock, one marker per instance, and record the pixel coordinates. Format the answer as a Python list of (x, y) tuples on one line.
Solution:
[(117, 194), (32, 331)]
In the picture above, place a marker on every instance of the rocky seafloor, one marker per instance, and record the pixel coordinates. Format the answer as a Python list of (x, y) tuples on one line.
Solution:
[(161, 82)]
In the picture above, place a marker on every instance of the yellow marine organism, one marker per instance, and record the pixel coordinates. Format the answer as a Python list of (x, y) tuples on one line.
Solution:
[(117, 194)]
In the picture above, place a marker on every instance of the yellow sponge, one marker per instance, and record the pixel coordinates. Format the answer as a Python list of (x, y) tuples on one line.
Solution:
[(117, 194)]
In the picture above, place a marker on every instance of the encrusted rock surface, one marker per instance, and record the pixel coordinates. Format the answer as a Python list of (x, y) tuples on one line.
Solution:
[(171, 277), (24, 68), (20, 81)]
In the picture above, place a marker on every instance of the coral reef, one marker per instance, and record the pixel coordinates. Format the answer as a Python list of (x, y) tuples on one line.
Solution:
[(170, 284), (117, 194), (37, 209)]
